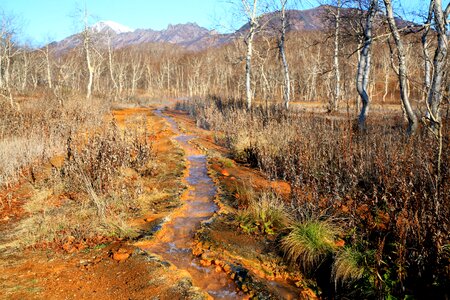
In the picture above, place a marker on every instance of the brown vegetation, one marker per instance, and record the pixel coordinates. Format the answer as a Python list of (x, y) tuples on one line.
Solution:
[(380, 185), (363, 212)]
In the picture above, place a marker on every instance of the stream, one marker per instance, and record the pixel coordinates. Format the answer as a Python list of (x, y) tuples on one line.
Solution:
[(174, 241)]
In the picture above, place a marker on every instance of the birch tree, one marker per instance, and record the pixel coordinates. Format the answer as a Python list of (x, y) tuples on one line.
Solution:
[(251, 11), (364, 65), (46, 52), (426, 50), (402, 71), (87, 42), (334, 13), (439, 62), (282, 48), (337, 74), (8, 50)]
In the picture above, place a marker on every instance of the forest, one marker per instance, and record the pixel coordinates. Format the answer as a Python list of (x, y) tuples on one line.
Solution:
[(326, 149)]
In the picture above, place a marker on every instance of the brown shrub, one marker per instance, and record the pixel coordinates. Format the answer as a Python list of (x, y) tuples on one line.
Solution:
[(382, 182)]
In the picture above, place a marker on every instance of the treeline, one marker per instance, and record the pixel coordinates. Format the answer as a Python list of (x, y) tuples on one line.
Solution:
[(164, 69)]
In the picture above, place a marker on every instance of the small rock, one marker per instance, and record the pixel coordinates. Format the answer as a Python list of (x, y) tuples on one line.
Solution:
[(218, 269), (205, 263), (227, 268), (225, 173), (121, 256), (68, 247)]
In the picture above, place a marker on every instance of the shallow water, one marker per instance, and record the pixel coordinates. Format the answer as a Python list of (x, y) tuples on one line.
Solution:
[(174, 241)]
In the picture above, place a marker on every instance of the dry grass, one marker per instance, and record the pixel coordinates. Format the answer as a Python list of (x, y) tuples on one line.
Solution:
[(384, 184), (37, 131), (99, 188), (266, 213), (18, 152), (102, 182), (309, 242), (351, 265)]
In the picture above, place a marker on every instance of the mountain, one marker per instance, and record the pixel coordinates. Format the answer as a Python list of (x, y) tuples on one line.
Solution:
[(298, 20), (190, 36), (111, 25), (194, 37)]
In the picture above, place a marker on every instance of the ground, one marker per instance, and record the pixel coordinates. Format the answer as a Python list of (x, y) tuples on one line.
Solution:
[(112, 267)]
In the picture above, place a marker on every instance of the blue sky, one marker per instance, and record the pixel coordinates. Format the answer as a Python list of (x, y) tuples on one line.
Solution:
[(42, 21)]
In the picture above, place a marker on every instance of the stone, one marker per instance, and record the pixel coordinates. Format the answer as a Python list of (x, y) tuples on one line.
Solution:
[(121, 256), (205, 263)]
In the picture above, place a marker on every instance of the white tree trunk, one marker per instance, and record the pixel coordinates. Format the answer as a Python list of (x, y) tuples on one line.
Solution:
[(402, 69), (282, 46), (253, 18), (439, 63), (337, 74), (364, 65)]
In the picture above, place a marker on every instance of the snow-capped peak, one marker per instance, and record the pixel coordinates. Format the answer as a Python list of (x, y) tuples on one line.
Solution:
[(116, 27)]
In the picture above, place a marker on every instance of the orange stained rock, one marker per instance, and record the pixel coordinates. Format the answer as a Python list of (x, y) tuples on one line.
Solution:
[(225, 173)]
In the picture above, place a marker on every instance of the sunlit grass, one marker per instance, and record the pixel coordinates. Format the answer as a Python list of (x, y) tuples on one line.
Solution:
[(310, 241)]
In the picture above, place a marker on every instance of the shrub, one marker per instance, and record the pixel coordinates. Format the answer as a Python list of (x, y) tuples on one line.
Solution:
[(351, 264), (102, 157), (390, 188), (310, 241), (265, 213), (37, 132)]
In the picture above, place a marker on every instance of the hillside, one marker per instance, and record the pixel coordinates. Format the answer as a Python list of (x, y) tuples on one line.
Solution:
[(191, 36)]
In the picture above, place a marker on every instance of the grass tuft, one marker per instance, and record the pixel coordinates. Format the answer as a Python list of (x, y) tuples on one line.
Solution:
[(266, 213), (350, 265), (310, 242)]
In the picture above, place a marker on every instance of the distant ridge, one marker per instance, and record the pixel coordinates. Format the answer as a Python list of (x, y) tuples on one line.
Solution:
[(193, 37)]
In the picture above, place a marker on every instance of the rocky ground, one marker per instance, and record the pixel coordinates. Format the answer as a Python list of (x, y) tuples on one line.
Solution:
[(109, 267)]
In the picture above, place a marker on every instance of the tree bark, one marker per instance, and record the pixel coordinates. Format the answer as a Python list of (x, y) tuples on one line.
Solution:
[(89, 66), (337, 74), (252, 15), (439, 62), (364, 65), (402, 69), (282, 46)]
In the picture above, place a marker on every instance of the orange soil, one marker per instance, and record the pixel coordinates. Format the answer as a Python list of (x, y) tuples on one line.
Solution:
[(117, 270), (221, 241), (107, 271), (230, 175)]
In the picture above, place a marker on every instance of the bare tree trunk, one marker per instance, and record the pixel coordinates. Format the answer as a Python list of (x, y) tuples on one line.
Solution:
[(248, 69), (111, 68), (86, 44), (25, 70), (439, 62), (337, 74), (402, 69), (426, 54), (49, 72), (363, 71), (251, 12), (282, 46)]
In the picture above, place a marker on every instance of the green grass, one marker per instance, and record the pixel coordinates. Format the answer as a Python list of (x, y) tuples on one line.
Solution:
[(350, 264), (266, 213), (310, 242)]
